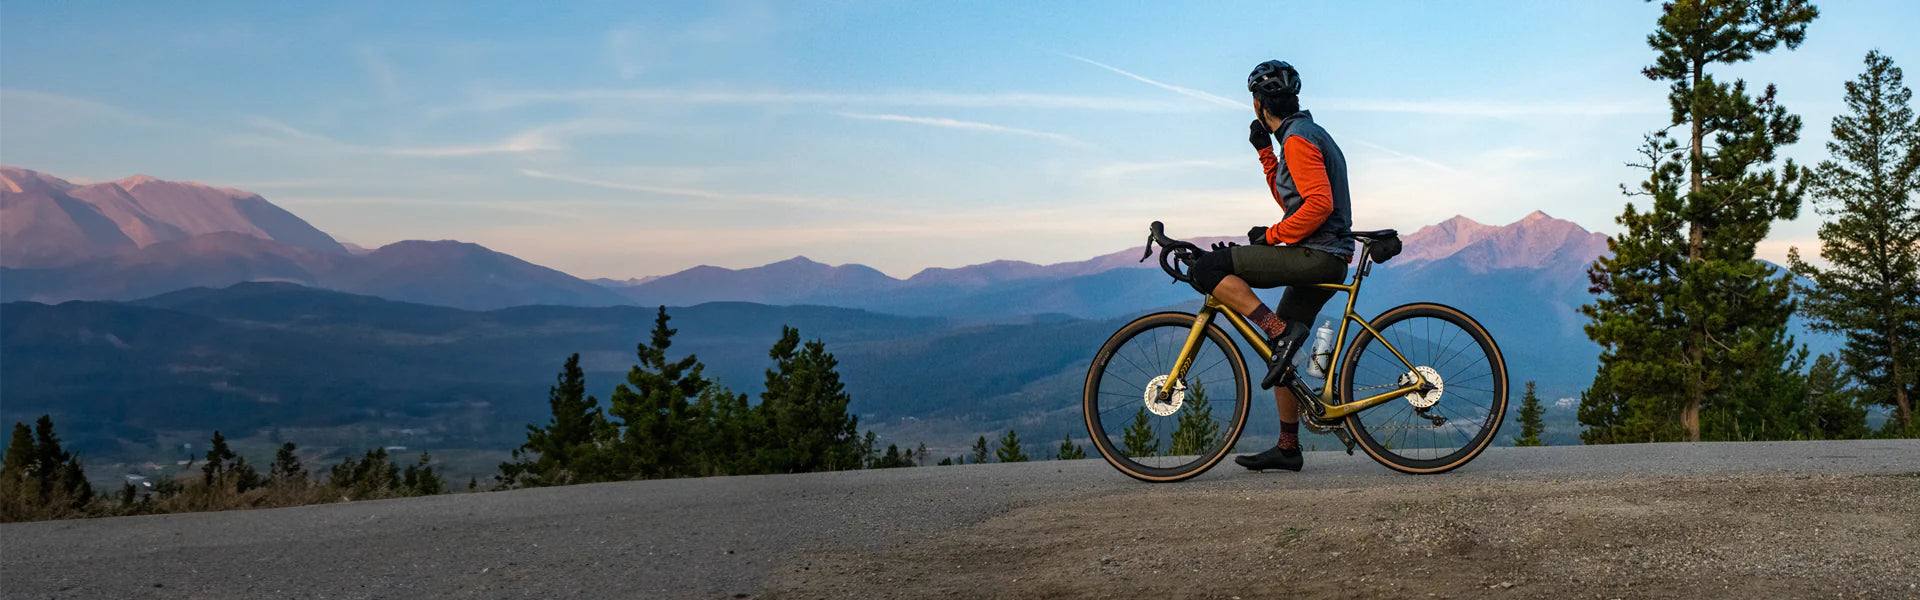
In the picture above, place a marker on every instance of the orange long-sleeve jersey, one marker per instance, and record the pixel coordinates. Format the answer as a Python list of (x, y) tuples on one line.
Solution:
[(1310, 186)]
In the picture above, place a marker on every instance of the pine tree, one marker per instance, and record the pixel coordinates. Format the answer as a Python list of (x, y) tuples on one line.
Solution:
[(1530, 424), (49, 478), (1194, 430), (653, 407), (1836, 408), (869, 448), (1871, 291), (892, 459), (373, 475), (286, 469), (804, 411), (21, 455), (419, 479), (980, 450), (20, 496), (1069, 450), (1139, 438), (945, 462), (1688, 322), (921, 458), (1009, 450), (217, 456), (727, 431), (571, 447)]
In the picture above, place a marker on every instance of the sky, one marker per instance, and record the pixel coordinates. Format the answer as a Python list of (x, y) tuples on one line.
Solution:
[(626, 139)]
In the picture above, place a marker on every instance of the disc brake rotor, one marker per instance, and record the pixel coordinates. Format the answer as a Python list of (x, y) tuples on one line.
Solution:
[(1164, 409), (1428, 398)]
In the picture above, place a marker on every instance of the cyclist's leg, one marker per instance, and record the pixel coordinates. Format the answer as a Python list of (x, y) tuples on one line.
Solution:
[(1268, 266), (1295, 268)]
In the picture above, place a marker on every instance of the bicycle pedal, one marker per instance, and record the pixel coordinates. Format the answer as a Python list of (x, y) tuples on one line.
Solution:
[(1345, 438)]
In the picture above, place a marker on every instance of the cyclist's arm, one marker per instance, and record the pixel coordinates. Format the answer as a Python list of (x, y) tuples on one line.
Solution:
[(1309, 170)]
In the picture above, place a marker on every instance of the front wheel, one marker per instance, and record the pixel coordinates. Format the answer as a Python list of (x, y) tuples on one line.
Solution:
[(1165, 437), (1440, 429)]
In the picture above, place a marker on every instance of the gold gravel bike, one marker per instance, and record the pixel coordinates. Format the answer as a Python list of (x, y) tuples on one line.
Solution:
[(1421, 388)]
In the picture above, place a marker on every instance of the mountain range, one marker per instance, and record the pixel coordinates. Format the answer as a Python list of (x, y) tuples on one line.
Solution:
[(140, 236), (194, 312)]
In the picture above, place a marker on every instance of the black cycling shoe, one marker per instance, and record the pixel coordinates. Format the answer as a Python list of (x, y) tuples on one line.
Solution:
[(1280, 365), (1273, 458)]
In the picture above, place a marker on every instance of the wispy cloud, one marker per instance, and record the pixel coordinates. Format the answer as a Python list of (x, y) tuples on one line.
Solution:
[(1124, 169), (1458, 107), (970, 125), (40, 103), (684, 192), (386, 77), (508, 206), (1405, 156), (1184, 91), (283, 135), (1494, 108), (506, 100)]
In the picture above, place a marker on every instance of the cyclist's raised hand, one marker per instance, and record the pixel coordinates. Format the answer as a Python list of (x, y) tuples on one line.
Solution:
[(1257, 236), (1258, 135)]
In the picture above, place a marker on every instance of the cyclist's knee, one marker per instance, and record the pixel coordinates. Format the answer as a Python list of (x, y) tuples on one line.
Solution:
[(1210, 269)]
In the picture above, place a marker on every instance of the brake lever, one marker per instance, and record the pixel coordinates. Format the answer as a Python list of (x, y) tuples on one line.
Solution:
[(1149, 253)]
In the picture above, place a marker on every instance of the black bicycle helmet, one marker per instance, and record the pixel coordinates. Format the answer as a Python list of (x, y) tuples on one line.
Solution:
[(1274, 78)]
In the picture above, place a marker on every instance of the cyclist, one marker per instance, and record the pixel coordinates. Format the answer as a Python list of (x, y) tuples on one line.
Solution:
[(1311, 244)]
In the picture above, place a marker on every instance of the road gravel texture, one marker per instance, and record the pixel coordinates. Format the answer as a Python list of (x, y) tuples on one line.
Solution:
[(1749, 520)]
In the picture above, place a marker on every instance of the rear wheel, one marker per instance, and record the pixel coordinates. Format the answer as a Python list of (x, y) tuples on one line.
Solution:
[(1441, 429), (1163, 439)]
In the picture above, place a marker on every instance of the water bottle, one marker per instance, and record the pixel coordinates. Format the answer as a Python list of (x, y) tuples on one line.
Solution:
[(1322, 359)]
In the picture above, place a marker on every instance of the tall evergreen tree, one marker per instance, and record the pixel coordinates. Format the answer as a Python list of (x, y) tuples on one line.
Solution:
[(728, 432), (286, 469), (571, 448), (19, 484), (980, 450), (1871, 290), (1688, 322), (218, 455), (20, 455), (1194, 430), (1009, 450), (804, 411), (1531, 425), (1139, 438), (653, 407), (1070, 450), (920, 459)]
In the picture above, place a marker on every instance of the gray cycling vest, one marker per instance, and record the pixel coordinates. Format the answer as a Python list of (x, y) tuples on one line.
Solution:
[(1335, 235)]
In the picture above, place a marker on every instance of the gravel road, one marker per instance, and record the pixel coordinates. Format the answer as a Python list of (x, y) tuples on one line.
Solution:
[(1772, 519)]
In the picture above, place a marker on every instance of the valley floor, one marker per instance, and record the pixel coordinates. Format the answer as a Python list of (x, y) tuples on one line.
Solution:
[(1761, 520)]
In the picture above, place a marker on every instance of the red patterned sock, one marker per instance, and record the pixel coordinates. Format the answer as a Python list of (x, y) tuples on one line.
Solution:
[(1268, 322), (1289, 435)]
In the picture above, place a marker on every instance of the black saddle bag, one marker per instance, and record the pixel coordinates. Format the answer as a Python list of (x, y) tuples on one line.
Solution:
[(1384, 249)]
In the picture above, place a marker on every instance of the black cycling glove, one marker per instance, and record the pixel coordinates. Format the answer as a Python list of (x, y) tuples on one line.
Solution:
[(1257, 236), (1258, 135)]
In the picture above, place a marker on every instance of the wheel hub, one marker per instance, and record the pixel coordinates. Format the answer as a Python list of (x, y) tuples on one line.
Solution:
[(1173, 401), (1427, 398)]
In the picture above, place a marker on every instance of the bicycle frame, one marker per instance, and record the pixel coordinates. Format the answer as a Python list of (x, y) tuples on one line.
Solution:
[(1328, 408)]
